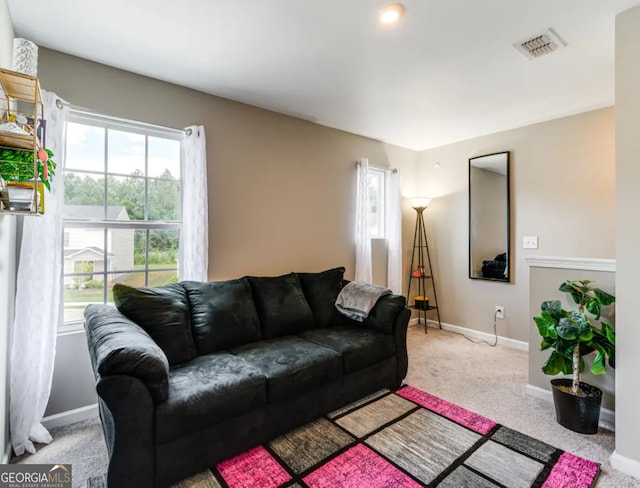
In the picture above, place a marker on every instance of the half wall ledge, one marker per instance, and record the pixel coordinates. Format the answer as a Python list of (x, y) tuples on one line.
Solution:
[(586, 264)]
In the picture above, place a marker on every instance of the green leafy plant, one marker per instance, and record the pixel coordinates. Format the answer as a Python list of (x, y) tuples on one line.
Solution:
[(16, 166), (573, 334)]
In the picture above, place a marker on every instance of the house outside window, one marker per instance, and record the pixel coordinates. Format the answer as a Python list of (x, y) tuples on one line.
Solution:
[(376, 189), (122, 210)]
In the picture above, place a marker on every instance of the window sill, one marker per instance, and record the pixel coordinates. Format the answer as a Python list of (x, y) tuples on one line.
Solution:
[(70, 329)]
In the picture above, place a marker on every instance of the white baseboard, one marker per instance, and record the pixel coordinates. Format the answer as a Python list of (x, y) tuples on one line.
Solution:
[(70, 416), (476, 334), (6, 456), (625, 465), (607, 417)]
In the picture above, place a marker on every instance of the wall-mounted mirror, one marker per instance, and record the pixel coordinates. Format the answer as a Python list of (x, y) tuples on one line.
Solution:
[(489, 235)]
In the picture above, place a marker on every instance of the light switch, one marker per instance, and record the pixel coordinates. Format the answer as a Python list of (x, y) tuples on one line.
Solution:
[(530, 242)]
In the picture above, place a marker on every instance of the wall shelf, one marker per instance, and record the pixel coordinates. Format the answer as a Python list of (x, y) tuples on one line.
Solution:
[(16, 141), (20, 101)]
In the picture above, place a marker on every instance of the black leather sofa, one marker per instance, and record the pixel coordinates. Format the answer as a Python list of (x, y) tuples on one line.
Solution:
[(191, 373)]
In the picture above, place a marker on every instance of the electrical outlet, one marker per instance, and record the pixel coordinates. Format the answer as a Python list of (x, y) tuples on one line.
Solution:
[(499, 312)]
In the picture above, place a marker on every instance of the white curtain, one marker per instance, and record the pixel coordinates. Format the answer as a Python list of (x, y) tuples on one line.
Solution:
[(393, 212), (363, 238), (38, 304), (194, 237)]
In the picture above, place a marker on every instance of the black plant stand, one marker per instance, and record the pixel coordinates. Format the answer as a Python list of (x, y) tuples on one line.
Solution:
[(425, 275)]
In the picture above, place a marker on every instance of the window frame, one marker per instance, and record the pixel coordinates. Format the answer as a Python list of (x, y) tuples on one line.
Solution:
[(110, 123), (381, 175)]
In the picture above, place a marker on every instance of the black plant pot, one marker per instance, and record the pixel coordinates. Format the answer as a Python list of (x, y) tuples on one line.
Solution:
[(578, 413)]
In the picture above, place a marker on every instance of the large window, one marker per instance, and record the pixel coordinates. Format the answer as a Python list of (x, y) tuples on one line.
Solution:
[(375, 184), (122, 212)]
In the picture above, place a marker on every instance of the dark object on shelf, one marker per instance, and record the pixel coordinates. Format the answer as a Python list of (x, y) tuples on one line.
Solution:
[(577, 413), (420, 273), (190, 374), (422, 303), (495, 268)]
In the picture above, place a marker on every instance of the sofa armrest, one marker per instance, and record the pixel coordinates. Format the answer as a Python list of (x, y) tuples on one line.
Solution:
[(400, 336), (119, 346), (383, 315), (127, 414), (391, 316)]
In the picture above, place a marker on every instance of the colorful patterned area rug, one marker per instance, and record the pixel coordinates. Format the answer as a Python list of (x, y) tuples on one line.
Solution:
[(406, 438)]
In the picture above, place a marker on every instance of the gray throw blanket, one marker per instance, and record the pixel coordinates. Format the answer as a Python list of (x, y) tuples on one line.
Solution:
[(357, 299)]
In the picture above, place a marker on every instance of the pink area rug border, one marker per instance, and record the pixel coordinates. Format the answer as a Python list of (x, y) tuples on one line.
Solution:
[(572, 471), (462, 416)]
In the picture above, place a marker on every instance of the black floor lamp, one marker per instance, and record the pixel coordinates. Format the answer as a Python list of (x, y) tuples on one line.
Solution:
[(419, 271)]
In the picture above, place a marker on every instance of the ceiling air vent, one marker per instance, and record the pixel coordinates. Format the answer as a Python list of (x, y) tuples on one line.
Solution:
[(541, 44)]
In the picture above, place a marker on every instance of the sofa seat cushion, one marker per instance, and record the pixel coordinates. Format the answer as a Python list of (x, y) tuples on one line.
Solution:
[(359, 347), (206, 391), (292, 365)]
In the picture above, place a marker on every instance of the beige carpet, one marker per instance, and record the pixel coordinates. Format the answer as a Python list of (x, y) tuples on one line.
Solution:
[(444, 364)]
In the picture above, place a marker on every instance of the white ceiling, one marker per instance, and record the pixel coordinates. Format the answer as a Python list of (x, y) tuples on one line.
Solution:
[(447, 72)]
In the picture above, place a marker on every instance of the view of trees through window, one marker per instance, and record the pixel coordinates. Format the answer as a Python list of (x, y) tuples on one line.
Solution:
[(121, 211)]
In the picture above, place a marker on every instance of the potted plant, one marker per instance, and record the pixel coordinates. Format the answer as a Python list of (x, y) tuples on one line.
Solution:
[(572, 335), (17, 175)]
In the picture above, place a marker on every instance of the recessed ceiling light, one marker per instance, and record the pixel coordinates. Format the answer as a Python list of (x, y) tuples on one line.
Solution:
[(391, 13)]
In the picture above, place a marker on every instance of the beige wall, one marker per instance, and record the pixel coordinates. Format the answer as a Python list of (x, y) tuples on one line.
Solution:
[(281, 190), (544, 283), (7, 256), (627, 238), (562, 180)]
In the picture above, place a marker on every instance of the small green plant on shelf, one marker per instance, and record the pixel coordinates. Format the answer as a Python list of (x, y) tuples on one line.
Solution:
[(16, 166)]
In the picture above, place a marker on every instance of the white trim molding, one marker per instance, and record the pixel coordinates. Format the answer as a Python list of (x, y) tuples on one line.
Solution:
[(607, 417), (70, 416), (587, 264), (625, 465), (476, 334)]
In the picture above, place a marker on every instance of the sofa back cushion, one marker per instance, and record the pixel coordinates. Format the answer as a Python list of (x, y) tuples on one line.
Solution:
[(281, 304), (223, 314), (163, 312), (321, 291)]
